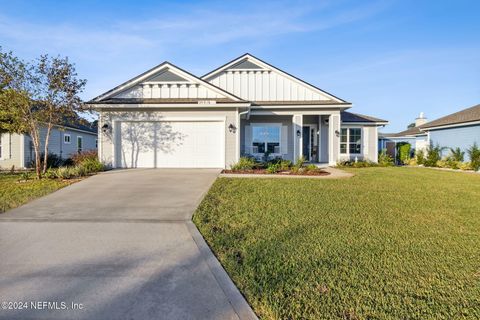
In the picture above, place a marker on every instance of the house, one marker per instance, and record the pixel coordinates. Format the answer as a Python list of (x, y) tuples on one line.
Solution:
[(166, 117), (457, 130), (16, 150), (414, 136)]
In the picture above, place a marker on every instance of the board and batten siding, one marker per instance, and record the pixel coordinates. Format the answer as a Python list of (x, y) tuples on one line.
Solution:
[(456, 137), (11, 154), (264, 85), (115, 117)]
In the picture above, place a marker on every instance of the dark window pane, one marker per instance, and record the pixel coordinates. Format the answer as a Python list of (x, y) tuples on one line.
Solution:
[(343, 148), (271, 146), (260, 145)]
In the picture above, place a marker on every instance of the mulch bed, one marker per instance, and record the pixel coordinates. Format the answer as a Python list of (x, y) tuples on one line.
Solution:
[(318, 172)]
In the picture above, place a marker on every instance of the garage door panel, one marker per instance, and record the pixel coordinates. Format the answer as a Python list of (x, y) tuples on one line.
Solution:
[(172, 144)]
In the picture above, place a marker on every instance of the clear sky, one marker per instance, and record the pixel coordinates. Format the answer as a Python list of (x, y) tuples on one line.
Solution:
[(392, 59)]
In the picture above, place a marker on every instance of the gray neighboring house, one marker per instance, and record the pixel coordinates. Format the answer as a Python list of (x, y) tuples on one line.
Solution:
[(168, 118), (457, 130), (16, 150), (415, 136)]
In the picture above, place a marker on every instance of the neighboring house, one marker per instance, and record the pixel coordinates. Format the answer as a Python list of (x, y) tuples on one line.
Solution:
[(167, 117), (457, 130), (414, 136), (16, 150)]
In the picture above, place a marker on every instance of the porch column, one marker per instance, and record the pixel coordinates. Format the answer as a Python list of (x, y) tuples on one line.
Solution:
[(297, 124), (333, 138)]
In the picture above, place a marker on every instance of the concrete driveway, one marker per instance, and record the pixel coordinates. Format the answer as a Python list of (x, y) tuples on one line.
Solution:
[(119, 245)]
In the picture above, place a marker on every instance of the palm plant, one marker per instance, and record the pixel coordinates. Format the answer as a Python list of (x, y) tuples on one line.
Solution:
[(434, 154), (456, 154), (474, 154)]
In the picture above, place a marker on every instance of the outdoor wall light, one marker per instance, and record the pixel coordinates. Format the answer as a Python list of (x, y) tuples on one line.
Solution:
[(232, 128), (105, 128), (299, 133), (337, 133)]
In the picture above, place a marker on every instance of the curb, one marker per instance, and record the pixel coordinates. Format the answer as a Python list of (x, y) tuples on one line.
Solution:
[(236, 299)]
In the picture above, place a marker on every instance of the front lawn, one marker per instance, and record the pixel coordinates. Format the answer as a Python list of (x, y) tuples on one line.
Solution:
[(14, 193), (389, 243)]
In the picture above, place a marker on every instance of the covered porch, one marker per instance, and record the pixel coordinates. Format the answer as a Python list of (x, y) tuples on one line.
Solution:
[(282, 134)]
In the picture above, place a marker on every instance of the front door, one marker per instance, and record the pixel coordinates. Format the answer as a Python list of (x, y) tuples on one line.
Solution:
[(306, 143)]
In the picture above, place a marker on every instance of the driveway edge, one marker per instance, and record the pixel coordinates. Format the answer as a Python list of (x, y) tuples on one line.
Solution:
[(236, 299)]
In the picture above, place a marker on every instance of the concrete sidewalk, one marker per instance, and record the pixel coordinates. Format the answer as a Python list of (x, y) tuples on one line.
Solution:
[(122, 245)]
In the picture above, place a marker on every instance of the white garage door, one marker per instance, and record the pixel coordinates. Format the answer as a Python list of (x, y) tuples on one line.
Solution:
[(171, 144)]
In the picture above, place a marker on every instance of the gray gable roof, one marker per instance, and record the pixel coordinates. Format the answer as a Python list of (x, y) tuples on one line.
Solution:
[(167, 76), (356, 117), (464, 116), (246, 65)]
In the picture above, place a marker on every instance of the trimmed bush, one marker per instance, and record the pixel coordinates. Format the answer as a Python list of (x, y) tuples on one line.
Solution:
[(273, 168), (420, 157), (91, 165), (403, 152), (53, 161)]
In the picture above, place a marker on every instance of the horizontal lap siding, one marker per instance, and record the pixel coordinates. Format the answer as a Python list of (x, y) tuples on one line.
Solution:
[(56, 143), (461, 137), (112, 117)]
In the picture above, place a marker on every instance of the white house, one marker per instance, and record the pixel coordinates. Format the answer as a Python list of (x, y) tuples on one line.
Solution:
[(167, 117), (16, 150)]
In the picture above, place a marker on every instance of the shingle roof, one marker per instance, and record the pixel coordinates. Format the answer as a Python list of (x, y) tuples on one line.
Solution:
[(464, 116), (415, 131), (298, 102), (356, 117)]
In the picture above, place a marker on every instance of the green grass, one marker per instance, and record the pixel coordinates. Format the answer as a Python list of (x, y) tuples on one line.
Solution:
[(14, 193), (389, 243)]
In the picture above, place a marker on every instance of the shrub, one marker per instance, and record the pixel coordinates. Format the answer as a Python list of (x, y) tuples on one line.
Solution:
[(273, 168), (84, 155), (24, 176), (53, 161), (244, 163), (66, 173), (403, 152), (357, 164), (412, 162), (300, 162), (465, 166), (284, 165), (420, 157), (442, 164), (456, 155), (91, 165), (474, 154), (384, 159), (434, 154), (51, 173), (311, 167)]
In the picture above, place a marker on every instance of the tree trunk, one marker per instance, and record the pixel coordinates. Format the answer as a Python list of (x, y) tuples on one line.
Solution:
[(36, 148), (45, 156)]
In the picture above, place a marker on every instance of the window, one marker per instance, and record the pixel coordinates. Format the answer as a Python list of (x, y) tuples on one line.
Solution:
[(66, 138), (79, 144), (266, 138), (351, 141)]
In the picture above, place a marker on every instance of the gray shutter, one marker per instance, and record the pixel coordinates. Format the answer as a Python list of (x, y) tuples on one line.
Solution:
[(248, 139), (284, 140)]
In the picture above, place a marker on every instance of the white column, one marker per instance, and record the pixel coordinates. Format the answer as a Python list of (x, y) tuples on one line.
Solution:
[(237, 137), (297, 124), (333, 139)]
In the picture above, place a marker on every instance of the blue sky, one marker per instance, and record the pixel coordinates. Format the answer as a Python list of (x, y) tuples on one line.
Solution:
[(392, 59)]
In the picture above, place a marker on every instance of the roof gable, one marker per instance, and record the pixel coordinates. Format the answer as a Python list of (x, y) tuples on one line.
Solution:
[(255, 80), (165, 82)]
